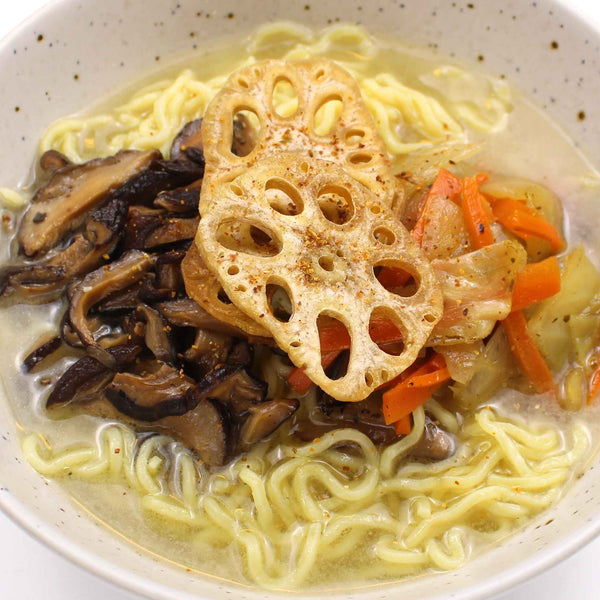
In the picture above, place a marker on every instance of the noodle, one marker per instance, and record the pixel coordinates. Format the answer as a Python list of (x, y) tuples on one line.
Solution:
[(294, 513), (285, 511), (155, 114)]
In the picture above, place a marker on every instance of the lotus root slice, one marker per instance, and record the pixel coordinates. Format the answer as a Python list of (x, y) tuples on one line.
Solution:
[(205, 289), (352, 141), (306, 228)]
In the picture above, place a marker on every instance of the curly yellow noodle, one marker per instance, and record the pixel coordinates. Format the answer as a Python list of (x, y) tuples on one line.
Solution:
[(283, 505), (155, 114)]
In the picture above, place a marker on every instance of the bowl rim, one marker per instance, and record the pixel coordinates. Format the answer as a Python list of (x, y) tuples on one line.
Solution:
[(120, 577)]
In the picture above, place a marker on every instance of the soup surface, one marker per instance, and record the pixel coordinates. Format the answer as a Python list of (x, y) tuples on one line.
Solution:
[(341, 510)]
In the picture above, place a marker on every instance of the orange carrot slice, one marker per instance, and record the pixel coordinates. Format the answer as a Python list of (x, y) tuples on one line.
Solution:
[(536, 282), (476, 214), (525, 222), (528, 356)]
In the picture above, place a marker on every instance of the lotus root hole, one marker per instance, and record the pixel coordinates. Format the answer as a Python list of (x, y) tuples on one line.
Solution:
[(396, 278), (246, 127), (334, 334), (369, 379), (336, 204), (247, 238), (243, 83), (384, 236), (222, 297), (360, 159), (279, 302), (236, 189), (319, 74), (233, 270), (296, 344), (327, 115), (283, 197), (430, 318), (327, 263), (385, 333), (285, 98), (354, 136)]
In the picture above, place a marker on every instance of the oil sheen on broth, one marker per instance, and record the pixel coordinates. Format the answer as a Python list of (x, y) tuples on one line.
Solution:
[(523, 143)]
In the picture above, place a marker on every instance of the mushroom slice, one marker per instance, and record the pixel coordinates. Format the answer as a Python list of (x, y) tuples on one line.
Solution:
[(61, 205), (206, 429), (85, 378), (151, 395), (328, 414), (156, 334), (52, 161), (434, 445), (189, 137), (171, 231), (46, 279), (180, 201), (185, 312), (264, 419), (98, 284), (41, 352), (232, 385)]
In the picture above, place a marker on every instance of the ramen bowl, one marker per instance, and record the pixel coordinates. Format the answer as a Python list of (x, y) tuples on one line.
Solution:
[(70, 54)]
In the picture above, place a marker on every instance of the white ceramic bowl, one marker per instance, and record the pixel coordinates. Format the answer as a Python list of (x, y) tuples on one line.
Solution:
[(547, 51)]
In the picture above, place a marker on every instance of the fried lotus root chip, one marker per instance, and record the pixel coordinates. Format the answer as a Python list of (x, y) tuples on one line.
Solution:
[(304, 229), (203, 287), (350, 139)]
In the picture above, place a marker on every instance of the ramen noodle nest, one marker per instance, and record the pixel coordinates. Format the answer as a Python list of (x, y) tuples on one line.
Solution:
[(305, 311)]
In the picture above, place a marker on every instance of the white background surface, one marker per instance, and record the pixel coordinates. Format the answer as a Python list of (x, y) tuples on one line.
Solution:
[(29, 571)]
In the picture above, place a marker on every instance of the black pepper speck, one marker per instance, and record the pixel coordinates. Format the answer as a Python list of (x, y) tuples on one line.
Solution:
[(554, 45), (40, 37), (581, 115)]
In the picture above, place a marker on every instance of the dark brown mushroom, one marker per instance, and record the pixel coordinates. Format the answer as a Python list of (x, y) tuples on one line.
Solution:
[(156, 334), (86, 378), (264, 419), (41, 352), (46, 279), (180, 201), (50, 162), (209, 349), (435, 444), (61, 206), (233, 386), (189, 137), (158, 392), (184, 312), (97, 285), (206, 430)]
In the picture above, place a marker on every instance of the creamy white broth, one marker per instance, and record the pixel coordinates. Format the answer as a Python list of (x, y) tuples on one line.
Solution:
[(529, 146)]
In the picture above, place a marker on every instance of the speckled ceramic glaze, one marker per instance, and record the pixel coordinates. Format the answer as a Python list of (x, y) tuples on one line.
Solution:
[(74, 51)]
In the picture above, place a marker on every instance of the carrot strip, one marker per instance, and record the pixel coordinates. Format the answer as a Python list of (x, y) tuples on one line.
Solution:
[(594, 387), (403, 425), (392, 277), (525, 222), (528, 356), (476, 216), (299, 380), (415, 389), (445, 184), (536, 282)]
